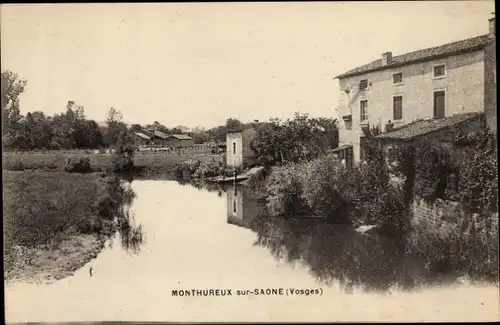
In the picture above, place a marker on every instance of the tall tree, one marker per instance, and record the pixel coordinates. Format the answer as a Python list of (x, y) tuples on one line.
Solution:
[(115, 126), (12, 87)]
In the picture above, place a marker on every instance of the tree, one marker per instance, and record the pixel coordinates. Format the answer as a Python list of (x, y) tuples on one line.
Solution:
[(115, 126), (125, 149), (175, 131), (218, 133), (12, 88), (200, 137), (294, 139), (232, 123), (135, 128)]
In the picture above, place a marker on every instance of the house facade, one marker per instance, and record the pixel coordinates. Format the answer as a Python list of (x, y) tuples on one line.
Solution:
[(141, 139), (157, 138), (238, 148), (431, 83), (179, 141)]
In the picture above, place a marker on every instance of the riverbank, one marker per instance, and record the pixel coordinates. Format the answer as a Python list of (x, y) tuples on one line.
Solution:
[(458, 242), (45, 264), (146, 164), (56, 222)]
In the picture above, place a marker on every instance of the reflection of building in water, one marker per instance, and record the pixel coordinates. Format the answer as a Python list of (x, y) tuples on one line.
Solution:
[(243, 206)]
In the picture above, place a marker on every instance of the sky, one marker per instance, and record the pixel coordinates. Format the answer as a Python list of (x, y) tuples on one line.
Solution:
[(196, 64)]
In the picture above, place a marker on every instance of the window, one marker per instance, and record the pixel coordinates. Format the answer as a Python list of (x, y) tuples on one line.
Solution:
[(362, 145), (439, 71), (349, 159), (363, 84), (363, 105), (234, 148), (348, 124), (439, 103), (234, 206), (397, 107), (397, 78)]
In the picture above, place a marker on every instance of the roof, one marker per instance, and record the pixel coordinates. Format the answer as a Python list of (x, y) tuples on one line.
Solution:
[(142, 135), (160, 135), (345, 146), (423, 127), (181, 136), (466, 45)]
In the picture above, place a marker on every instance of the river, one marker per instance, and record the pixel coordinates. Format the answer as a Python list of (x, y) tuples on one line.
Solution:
[(200, 239)]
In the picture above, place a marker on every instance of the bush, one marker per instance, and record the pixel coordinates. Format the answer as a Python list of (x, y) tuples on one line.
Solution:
[(192, 168), (209, 169), (324, 187), (468, 244), (55, 145), (321, 182), (122, 164), (78, 165), (284, 191), (478, 181), (256, 182), (187, 168)]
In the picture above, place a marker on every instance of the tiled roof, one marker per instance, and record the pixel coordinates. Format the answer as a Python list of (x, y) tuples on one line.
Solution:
[(423, 127), (181, 136), (160, 135), (142, 135), (466, 45)]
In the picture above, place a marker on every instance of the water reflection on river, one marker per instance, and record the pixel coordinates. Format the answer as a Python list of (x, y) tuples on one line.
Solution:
[(201, 239)]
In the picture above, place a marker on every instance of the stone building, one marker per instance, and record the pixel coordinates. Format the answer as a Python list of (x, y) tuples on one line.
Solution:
[(433, 83)]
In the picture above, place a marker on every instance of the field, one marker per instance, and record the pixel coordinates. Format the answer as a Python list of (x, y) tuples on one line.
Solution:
[(149, 163), (44, 214)]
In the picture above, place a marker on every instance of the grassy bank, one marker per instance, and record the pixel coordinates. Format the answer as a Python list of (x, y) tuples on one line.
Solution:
[(146, 164), (55, 222)]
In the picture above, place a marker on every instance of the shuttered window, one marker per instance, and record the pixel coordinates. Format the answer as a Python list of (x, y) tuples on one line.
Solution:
[(397, 107)]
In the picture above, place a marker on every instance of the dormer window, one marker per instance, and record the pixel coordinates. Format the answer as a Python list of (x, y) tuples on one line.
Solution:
[(363, 84)]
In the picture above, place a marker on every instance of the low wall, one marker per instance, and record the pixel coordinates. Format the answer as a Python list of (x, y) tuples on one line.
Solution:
[(443, 216)]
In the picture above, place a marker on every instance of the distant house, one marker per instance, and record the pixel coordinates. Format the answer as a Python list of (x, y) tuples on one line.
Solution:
[(157, 138), (239, 152), (179, 140), (432, 83), (141, 139)]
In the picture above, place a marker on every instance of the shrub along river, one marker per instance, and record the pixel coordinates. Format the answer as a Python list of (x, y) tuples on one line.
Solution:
[(195, 238)]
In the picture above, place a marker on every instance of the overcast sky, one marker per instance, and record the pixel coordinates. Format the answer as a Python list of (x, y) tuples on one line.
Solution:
[(197, 64)]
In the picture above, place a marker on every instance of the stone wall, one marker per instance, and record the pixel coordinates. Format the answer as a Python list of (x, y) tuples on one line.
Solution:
[(444, 216)]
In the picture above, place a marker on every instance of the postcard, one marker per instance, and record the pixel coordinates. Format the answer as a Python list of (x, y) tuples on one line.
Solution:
[(250, 162)]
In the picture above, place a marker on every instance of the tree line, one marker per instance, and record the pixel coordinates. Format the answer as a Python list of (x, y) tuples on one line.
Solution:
[(277, 141)]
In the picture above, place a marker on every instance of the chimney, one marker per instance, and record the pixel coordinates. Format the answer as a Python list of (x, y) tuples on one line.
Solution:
[(386, 58), (492, 26)]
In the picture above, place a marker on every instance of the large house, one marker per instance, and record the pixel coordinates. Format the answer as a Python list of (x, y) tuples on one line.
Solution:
[(452, 79)]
